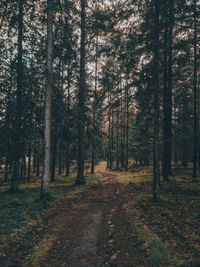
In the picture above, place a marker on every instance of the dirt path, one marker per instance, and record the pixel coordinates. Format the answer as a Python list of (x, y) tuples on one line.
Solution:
[(91, 231)]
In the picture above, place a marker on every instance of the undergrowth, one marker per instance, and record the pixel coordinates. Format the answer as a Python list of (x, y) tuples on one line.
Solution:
[(38, 251), (170, 238)]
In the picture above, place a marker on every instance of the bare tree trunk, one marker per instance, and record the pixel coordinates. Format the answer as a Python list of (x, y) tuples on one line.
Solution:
[(29, 158), (17, 153), (60, 161), (67, 161), (117, 160), (198, 127), (81, 99), (112, 141), (34, 155), (167, 98), (127, 126), (94, 111), (122, 132), (109, 135), (156, 167), (68, 108), (38, 159), (44, 194), (24, 164), (6, 168), (195, 92), (53, 155)]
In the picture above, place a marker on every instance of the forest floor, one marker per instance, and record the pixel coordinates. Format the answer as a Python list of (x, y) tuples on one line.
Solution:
[(114, 222)]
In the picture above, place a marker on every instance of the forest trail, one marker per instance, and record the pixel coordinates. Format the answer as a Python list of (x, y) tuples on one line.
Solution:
[(91, 230)]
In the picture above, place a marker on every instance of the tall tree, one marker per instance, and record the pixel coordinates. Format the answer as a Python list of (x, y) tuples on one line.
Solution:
[(94, 106), (44, 194), (81, 100), (156, 165), (17, 152), (195, 90), (167, 98)]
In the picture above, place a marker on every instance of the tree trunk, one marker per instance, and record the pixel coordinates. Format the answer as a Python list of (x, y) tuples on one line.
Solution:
[(198, 127), (109, 134), (68, 109), (29, 158), (60, 162), (156, 167), (44, 194), (34, 155), (38, 159), (21, 168), (167, 132), (17, 153), (81, 99), (24, 164), (94, 109), (67, 161), (195, 93), (112, 141), (117, 160), (53, 160), (166, 100), (127, 127), (122, 132)]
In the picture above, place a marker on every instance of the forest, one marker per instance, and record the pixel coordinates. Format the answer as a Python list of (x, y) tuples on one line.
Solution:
[(100, 133)]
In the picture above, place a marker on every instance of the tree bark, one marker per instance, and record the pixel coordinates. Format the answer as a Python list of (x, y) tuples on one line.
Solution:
[(17, 153), (109, 134), (112, 141), (94, 110), (44, 194), (60, 161), (156, 167), (53, 155), (122, 131), (67, 161), (194, 175), (34, 155), (198, 122), (127, 127), (167, 99), (29, 158), (81, 99), (68, 109), (38, 159), (117, 160)]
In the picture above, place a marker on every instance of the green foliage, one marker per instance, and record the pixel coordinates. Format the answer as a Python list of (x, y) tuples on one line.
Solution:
[(158, 252), (174, 241), (39, 250)]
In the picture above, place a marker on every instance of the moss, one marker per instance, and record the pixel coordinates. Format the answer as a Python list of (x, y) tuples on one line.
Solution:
[(39, 250), (158, 251)]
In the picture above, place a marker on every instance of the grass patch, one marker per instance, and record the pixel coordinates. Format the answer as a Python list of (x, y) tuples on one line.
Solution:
[(39, 250), (170, 238), (159, 252), (128, 177), (124, 177)]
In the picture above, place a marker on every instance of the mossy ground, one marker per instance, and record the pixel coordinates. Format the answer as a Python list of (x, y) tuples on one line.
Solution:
[(170, 228), (20, 211)]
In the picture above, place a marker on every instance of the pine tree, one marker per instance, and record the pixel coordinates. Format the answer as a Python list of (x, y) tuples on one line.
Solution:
[(81, 101), (44, 194), (17, 152)]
